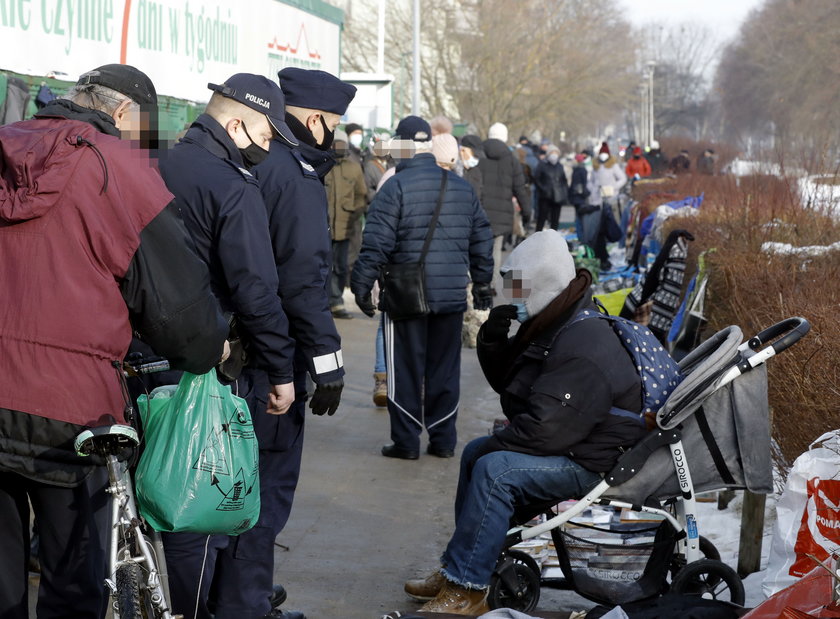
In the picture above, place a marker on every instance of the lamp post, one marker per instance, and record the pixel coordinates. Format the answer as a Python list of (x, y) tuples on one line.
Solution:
[(651, 65), (380, 38), (415, 102), (643, 110)]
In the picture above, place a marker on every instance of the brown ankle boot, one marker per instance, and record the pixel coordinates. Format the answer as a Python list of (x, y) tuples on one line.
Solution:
[(380, 388), (457, 600), (425, 589)]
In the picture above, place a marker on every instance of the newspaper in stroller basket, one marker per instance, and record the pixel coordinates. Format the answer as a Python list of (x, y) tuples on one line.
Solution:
[(713, 433)]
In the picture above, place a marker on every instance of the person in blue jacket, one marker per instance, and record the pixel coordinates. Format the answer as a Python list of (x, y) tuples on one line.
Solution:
[(292, 183), (423, 355), (209, 173)]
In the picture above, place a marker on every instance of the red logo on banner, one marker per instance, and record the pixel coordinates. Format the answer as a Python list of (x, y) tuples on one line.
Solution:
[(824, 505), (296, 48)]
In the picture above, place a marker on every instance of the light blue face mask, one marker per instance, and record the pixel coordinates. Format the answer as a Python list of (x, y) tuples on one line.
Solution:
[(521, 311)]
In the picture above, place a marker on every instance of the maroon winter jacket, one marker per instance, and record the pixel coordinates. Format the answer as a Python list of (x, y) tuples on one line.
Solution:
[(73, 202)]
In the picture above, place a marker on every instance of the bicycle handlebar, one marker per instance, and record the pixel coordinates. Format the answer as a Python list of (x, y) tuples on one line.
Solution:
[(137, 364)]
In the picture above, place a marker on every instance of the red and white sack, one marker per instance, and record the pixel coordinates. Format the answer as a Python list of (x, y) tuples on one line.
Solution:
[(807, 515)]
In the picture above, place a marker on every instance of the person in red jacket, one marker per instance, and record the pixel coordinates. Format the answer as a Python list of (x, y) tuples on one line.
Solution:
[(638, 165), (93, 249)]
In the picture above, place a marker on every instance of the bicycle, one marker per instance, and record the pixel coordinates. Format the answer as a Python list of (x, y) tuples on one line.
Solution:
[(136, 576)]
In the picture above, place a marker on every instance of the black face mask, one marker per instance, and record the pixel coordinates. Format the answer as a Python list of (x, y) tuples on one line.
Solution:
[(328, 136), (252, 154)]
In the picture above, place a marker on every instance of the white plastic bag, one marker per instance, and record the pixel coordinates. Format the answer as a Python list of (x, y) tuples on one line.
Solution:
[(807, 515)]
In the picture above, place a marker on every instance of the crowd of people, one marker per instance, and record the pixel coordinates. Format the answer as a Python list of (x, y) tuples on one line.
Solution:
[(250, 229)]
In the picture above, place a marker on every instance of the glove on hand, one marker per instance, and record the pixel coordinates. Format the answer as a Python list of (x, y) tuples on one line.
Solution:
[(366, 304), (326, 397), (231, 367), (497, 325), (482, 296)]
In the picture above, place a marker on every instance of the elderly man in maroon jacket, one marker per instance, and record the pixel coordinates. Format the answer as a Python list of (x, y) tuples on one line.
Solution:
[(92, 248)]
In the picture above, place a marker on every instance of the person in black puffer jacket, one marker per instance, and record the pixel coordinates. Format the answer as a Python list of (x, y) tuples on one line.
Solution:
[(503, 179), (573, 398), (552, 187)]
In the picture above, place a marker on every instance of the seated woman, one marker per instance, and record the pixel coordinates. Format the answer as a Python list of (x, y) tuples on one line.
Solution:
[(560, 383)]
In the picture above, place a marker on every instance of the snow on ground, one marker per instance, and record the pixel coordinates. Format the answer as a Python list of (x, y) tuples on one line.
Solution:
[(723, 528), (821, 191)]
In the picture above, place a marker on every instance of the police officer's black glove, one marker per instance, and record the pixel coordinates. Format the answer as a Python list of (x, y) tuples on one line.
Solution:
[(366, 304), (482, 296), (326, 397), (497, 325)]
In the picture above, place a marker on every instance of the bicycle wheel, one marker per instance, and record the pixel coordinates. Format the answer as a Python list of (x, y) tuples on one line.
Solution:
[(129, 601)]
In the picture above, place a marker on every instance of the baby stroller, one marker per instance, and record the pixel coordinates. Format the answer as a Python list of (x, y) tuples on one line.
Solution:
[(713, 433)]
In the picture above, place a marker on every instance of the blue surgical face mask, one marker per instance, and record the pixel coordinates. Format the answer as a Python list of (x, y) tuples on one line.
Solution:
[(471, 162), (521, 311)]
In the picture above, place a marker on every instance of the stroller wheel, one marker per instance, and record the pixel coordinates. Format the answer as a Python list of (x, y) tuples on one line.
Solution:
[(515, 582), (710, 579), (707, 549)]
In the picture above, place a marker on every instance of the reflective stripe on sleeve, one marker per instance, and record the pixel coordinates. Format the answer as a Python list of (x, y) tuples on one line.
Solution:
[(328, 363)]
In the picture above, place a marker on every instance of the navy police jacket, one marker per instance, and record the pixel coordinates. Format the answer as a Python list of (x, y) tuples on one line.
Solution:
[(291, 180), (396, 226), (223, 209)]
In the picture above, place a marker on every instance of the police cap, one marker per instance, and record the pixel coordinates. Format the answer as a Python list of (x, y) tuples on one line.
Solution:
[(316, 90), (261, 94)]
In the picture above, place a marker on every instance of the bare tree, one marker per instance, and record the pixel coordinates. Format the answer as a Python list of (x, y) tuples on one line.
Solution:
[(683, 55), (550, 65), (780, 80)]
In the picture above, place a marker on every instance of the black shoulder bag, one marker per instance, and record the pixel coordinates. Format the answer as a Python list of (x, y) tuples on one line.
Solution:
[(403, 286)]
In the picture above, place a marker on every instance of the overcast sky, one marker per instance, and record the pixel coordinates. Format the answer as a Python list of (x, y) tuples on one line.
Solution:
[(723, 16)]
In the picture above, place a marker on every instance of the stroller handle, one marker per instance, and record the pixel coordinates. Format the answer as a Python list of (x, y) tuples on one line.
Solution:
[(792, 330)]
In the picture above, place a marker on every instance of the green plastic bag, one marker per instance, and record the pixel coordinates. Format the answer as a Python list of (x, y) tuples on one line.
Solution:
[(584, 258), (199, 471)]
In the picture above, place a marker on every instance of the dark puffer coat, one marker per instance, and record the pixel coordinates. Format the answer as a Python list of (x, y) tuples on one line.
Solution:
[(558, 393), (502, 180), (550, 179), (396, 226)]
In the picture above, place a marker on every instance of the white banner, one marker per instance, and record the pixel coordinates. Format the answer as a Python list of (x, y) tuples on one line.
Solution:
[(181, 44)]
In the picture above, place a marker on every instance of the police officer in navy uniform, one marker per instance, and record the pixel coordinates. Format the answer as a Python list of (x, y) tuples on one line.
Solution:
[(291, 180), (209, 173)]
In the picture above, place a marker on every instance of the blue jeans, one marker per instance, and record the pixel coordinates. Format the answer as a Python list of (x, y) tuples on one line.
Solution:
[(590, 224), (379, 363), (487, 492)]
